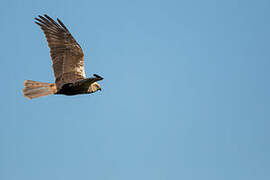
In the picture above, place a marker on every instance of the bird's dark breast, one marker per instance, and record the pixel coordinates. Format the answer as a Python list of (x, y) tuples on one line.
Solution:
[(70, 89)]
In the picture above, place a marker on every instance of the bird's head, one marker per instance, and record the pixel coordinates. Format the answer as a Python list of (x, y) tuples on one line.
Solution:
[(94, 87)]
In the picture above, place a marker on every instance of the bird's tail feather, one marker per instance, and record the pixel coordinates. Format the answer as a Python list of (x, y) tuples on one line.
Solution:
[(35, 89)]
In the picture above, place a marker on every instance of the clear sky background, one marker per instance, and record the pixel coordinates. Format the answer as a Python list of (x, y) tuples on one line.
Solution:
[(185, 92)]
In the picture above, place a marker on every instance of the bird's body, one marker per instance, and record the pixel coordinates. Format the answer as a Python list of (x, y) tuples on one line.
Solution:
[(68, 64), (85, 86)]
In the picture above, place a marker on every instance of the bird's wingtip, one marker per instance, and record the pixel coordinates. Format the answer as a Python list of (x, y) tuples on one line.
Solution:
[(97, 76)]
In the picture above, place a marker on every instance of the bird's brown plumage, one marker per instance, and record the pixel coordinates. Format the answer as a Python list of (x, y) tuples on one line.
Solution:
[(67, 55), (68, 64)]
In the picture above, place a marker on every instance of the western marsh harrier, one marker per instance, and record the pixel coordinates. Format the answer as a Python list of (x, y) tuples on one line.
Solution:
[(68, 64)]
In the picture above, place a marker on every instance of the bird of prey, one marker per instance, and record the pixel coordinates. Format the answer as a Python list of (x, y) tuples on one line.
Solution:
[(67, 61)]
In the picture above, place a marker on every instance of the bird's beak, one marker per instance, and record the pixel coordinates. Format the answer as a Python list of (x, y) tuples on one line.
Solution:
[(100, 89)]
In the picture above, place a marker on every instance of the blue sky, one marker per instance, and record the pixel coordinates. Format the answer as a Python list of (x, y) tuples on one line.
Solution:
[(185, 92)]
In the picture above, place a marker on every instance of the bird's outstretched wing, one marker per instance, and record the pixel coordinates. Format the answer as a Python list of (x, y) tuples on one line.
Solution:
[(67, 55)]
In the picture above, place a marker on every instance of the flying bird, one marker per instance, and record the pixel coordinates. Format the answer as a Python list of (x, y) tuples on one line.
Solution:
[(67, 61)]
